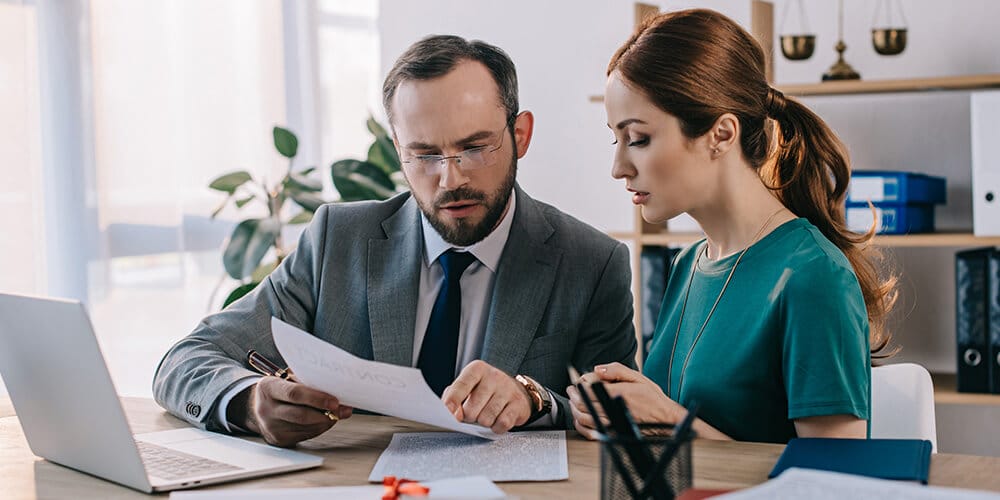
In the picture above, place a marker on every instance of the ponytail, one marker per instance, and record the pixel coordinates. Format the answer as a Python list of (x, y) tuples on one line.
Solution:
[(810, 174)]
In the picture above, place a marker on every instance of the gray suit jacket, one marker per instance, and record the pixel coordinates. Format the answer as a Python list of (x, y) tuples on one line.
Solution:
[(562, 296)]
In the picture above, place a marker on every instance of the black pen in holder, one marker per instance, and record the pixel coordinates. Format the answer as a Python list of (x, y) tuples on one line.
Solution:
[(621, 476)]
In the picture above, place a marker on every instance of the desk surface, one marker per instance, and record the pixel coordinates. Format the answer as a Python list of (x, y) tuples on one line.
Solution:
[(352, 447)]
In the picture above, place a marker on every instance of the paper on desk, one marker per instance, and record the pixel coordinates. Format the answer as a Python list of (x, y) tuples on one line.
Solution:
[(465, 487), (393, 390), (516, 456), (796, 483)]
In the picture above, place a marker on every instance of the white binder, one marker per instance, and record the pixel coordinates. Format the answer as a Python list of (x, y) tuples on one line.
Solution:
[(985, 130)]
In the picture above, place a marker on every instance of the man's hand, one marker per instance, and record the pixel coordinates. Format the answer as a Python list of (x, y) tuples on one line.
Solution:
[(285, 412), (489, 397)]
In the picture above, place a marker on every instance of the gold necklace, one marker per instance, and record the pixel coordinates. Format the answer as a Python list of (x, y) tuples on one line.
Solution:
[(687, 293)]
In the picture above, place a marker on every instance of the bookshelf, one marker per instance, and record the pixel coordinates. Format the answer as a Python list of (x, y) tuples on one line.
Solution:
[(946, 394)]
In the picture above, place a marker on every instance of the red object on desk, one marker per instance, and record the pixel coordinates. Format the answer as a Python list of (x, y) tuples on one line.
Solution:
[(395, 487), (699, 493)]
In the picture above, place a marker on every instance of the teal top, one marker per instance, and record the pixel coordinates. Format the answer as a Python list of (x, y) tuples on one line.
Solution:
[(789, 338)]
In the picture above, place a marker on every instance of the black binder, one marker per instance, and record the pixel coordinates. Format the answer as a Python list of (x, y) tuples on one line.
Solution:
[(993, 323), (971, 319), (655, 270)]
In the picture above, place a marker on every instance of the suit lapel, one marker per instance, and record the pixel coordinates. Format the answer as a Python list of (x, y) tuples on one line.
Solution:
[(393, 284), (524, 282)]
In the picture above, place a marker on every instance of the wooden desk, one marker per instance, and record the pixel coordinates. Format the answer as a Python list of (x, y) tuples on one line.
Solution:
[(352, 447)]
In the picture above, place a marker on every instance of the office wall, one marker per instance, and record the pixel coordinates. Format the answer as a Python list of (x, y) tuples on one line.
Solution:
[(561, 49)]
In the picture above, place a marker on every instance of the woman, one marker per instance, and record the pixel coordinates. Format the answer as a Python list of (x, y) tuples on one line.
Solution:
[(771, 321)]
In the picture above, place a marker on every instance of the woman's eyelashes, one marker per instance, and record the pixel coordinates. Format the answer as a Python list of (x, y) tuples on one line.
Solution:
[(638, 142)]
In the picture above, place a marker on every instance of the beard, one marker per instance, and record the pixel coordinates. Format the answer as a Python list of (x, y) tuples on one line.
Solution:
[(462, 232)]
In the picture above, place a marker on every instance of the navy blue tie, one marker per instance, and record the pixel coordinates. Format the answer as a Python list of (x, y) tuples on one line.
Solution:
[(440, 346)]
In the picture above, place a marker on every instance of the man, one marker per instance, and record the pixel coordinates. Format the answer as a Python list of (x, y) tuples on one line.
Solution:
[(489, 292)]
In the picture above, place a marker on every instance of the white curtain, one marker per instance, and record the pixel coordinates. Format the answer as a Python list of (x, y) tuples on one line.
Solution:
[(107, 149)]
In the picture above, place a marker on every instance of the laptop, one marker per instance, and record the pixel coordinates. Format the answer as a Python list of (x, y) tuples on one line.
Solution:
[(71, 415)]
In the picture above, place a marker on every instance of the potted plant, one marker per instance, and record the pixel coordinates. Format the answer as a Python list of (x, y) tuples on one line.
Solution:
[(376, 178)]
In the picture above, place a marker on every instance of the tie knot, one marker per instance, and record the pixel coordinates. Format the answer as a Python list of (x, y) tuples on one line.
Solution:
[(455, 263)]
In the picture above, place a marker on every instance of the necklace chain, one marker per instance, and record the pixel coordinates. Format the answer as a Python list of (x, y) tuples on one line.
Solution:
[(687, 293)]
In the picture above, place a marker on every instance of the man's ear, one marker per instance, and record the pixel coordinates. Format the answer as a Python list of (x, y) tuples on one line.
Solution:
[(523, 126), (724, 135)]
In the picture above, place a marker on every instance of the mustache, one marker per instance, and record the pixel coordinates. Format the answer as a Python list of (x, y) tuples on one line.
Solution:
[(460, 194)]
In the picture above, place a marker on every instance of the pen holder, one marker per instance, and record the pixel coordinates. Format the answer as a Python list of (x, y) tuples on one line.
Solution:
[(624, 458)]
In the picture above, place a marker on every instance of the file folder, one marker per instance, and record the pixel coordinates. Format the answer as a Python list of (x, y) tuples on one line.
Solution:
[(993, 321), (897, 188), (971, 319), (984, 108), (899, 459)]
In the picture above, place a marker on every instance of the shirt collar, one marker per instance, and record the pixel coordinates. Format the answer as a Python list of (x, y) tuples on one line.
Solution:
[(488, 250)]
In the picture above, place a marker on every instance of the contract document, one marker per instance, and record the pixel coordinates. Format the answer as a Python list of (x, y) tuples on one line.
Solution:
[(517, 456), (397, 391)]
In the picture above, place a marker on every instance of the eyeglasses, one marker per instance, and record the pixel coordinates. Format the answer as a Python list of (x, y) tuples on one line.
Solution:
[(469, 159)]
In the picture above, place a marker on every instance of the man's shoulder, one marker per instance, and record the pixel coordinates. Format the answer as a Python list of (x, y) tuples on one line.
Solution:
[(362, 216), (570, 232)]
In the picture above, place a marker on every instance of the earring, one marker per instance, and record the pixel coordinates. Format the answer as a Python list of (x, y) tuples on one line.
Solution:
[(715, 151)]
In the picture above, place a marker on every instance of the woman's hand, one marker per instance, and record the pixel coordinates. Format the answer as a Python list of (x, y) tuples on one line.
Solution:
[(645, 400)]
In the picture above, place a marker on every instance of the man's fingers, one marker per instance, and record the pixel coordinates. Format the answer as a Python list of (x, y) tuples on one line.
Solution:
[(477, 400), (456, 393), (299, 415), (298, 394), (487, 416)]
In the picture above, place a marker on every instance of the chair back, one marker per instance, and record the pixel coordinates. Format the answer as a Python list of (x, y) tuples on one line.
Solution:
[(903, 403)]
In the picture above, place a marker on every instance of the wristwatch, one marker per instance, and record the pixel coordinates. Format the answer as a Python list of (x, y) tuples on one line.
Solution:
[(541, 401)]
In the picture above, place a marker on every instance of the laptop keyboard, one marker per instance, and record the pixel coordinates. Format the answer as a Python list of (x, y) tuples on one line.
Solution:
[(172, 464)]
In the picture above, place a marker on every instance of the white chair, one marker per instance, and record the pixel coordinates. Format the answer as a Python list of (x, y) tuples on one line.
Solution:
[(903, 403)]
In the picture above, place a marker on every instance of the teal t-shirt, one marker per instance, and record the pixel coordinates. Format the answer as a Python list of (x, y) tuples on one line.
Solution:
[(788, 339)]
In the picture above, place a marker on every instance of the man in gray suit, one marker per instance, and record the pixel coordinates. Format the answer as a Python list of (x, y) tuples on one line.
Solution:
[(489, 292)]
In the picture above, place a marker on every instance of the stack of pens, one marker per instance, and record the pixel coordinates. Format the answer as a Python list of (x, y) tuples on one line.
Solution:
[(639, 462)]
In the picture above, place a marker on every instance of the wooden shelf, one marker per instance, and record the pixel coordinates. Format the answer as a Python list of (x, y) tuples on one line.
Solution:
[(970, 82), (928, 240), (945, 392)]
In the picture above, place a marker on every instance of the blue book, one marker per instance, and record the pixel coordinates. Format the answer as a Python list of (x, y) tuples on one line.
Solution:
[(901, 459)]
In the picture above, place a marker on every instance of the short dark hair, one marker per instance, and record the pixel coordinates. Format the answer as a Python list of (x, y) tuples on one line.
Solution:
[(436, 55)]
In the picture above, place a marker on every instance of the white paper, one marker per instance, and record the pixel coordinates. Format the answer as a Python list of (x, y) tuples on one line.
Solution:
[(516, 456), (466, 487), (393, 390), (863, 189), (798, 483)]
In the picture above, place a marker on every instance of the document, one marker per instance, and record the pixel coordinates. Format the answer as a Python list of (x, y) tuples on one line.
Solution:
[(393, 390), (466, 487), (516, 456), (798, 483)]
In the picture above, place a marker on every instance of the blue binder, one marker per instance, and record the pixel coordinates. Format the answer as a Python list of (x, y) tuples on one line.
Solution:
[(897, 188), (901, 459)]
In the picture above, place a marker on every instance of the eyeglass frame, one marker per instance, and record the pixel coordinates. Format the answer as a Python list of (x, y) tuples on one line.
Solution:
[(441, 161)]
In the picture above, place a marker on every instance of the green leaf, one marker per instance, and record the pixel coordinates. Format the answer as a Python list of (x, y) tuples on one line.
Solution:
[(285, 142), (261, 241), (250, 241), (304, 183), (382, 152), (306, 171), (307, 200), (388, 162), (229, 182), (360, 180), (302, 217), (235, 252), (239, 292), (263, 270), (240, 203), (375, 128)]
